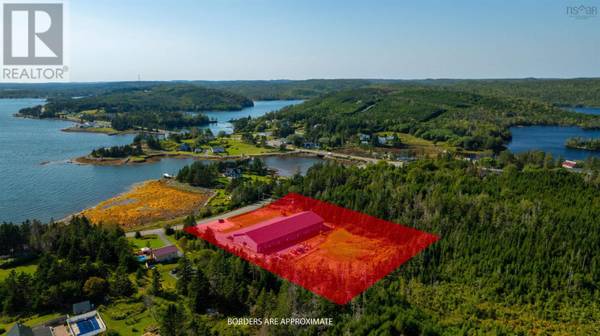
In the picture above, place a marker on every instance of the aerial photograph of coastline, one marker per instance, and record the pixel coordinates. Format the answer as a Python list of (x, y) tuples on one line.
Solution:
[(263, 167)]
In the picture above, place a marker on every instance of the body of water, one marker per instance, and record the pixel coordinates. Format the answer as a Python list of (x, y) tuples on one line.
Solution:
[(586, 110), (551, 139), (39, 182), (290, 165), (259, 109)]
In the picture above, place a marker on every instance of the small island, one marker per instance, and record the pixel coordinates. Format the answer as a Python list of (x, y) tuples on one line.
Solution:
[(589, 144)]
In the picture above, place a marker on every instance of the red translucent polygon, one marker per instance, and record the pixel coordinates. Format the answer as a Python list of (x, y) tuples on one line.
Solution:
[(334, 252)]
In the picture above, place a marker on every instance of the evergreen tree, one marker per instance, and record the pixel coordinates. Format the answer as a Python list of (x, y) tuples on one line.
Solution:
[(184, 275), (171, 321), (156, 284), (199, 292), (120, 285)]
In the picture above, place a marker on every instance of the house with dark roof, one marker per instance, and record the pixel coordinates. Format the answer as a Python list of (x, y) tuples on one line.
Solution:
[(185, 147), (42, 331), (233, 172), (216, 149), (82, 307), (166, 253), (280, 232), (20, 330)]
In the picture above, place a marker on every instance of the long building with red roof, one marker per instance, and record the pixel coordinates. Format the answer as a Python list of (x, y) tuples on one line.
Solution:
[(280, 232)]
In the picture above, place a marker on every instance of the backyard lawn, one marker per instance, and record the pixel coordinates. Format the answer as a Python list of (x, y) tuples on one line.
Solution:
[(152, 241), (127, 317)]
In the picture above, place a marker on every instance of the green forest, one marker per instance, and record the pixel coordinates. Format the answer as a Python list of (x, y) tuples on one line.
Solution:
[(560, 92), (76, 261)]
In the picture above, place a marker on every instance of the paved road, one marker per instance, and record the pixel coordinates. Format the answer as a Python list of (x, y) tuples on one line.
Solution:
[(160, 232), (349, 157), (164, 238)]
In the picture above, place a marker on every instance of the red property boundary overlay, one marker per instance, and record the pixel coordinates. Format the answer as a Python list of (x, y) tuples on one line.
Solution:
[(345, 254)]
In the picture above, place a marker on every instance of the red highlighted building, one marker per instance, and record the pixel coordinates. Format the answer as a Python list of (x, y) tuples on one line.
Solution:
[(280, 232), (334, 252)]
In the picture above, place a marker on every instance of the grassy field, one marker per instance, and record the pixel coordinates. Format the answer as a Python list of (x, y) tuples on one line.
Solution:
[(152, 241), (168, 281), (29, 268), (233, 146), (411, 144), (220, 199), (127, 317), (147, 203)]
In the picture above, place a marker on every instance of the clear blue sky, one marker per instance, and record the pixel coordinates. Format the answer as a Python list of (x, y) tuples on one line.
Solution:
[(298, 39)]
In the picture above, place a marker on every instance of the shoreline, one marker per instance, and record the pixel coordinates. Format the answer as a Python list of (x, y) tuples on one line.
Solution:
[(169, 183), (156, 157), (581, 148), (96, 130)]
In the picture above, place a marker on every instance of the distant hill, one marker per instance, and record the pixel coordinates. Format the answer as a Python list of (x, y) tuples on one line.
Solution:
[(253, 89), (162, 98), (286, 89), (464, 119), (561, 92), (159, 106)]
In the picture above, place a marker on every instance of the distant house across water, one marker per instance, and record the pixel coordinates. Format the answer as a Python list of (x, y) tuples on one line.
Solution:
[(185, 147), (569, 164), (216, 149), (233, 172)]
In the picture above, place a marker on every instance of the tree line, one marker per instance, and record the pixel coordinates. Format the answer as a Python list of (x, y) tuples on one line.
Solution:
[(118, 151)]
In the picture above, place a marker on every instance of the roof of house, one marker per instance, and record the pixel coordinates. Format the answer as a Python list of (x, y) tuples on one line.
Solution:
[(82, 307), (278, 227), (163, 251), (20, 330), (42, 331)]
